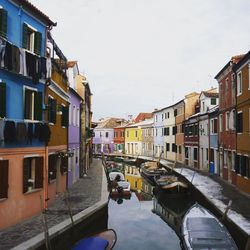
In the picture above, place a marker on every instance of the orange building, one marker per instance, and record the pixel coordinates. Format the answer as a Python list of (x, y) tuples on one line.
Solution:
[(242, 165)]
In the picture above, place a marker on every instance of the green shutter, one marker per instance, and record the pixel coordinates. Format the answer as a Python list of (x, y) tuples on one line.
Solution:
[(38, 43), (25, 35), (26, 174), (65, 116), (4, 176), (3, 22), (2, 99), (38, 106)]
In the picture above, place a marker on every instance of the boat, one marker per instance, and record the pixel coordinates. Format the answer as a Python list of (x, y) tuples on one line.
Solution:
[(118, 186), (202, 230), (130, 160), (151, 169), (171, 184), (104, 240)]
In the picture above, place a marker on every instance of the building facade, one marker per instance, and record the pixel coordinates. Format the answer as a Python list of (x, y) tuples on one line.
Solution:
[(24, 132), (242, 166), (147, 137)]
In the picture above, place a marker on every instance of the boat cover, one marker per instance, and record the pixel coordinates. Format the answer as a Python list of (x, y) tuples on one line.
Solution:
[(91, 243), (206, 233)]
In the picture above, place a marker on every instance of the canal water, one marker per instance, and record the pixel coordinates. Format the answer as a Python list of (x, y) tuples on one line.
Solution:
[(146, 220)]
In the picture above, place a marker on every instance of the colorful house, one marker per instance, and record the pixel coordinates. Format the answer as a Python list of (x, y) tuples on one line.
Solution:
[(132, 174), (119, 139), (57, 114), (242, 166), (158, 147), (185, 109), (213, 141), (24, 133), (227, 120), (133, 139), (208, 100), (103, 141), (147, 137), (74, 138), (83, 89)]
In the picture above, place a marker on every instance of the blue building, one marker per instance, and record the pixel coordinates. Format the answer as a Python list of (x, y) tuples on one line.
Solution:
[(24, 72)]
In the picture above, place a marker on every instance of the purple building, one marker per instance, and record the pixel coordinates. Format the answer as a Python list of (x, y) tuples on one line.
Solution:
[(103, 142), (74, 138)]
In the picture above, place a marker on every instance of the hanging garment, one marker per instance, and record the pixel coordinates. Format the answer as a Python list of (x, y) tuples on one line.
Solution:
[(10, 131), (15, 60), (1, 130), (21, 132), (45, 134), (48, 67), (43, 64), (30, 133), (23, 67), (2, 52)]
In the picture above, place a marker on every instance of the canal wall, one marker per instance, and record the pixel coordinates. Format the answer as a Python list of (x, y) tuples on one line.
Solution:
[(215, 195), (65, 234)]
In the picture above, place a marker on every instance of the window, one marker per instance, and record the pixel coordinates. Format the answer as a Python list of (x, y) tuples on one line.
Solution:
[(174, 130), (32, 173), (203, 106), (220, 123), (52, 167), (162, 117), (74, 115), (207, 154), (175, 112), (227, 120), (156, 118), (52, 110), (213, 101), (174, 147), (33, 101), (77, 117), (166, 131), (70, 115), (77, 155), (168, 115), (242, 165), (3, 22), (2, 99), (107, 134), (32, 39), (136, 133), (4, 173), (195, 154), (65, 116), (239, 124), (167, 147), (179, 149), (239, 83)]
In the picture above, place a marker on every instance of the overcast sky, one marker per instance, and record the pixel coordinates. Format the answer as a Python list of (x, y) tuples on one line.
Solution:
[(144, 54)]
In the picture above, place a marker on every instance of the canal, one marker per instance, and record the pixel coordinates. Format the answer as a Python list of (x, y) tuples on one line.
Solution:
[(150, 219), (146, 220)]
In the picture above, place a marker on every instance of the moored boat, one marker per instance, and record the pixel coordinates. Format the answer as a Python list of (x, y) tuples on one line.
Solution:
[(171, 184), (202, 230), (104, 240), (118, 186), (151, 169)]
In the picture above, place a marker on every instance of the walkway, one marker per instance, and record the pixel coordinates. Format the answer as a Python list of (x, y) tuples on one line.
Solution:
[(83, 194)]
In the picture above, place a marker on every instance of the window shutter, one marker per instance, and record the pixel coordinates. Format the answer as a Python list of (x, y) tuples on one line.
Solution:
[(26, 170), (65, 116), (38, 43), (3, 22), (27, 104), (38, 106), (4, 176), (25, 35), (2, 100), (39, 173), (54, 102), (215, 125)]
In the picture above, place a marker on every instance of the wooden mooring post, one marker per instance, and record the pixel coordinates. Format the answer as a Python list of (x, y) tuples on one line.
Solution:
[(45, 226)]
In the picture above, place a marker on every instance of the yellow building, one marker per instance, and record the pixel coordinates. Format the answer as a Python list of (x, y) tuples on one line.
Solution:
[(133, 176), (133, 139)]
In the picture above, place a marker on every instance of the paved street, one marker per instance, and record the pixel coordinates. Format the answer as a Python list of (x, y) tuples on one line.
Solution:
[(83, 194)]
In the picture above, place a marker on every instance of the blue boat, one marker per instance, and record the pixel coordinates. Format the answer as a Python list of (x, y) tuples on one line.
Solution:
[(104, 240)]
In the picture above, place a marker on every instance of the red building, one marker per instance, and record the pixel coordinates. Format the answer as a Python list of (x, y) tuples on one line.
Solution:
[(227, 118), (119, 139)]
